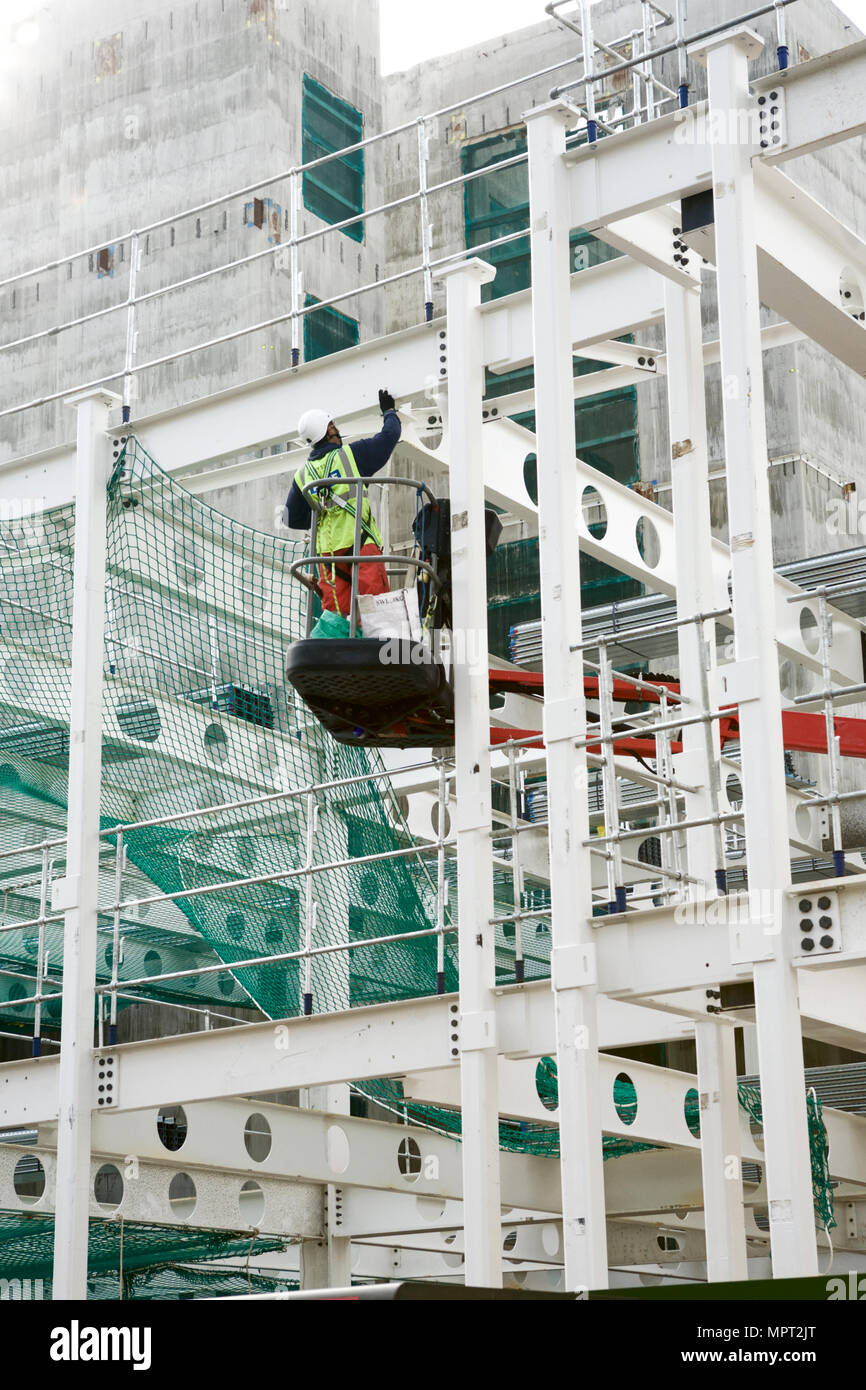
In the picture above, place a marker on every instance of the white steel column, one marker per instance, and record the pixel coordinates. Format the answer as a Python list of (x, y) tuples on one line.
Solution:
[(78, 893), (687, 418), (478, 1056), (792, 1222), (573, 955), (717, 1071)]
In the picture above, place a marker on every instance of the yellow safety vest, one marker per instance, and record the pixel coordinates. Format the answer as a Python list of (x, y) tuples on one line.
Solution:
[(336, 524)]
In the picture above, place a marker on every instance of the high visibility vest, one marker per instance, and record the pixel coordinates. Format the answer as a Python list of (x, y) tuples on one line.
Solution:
[(336, 523)]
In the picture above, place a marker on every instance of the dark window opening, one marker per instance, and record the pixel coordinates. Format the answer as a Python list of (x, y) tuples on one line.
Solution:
[(327, 331), (334, 190)]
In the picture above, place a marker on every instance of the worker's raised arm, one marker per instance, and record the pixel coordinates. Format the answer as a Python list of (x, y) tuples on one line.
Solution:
[(297, 513), (372, 454)]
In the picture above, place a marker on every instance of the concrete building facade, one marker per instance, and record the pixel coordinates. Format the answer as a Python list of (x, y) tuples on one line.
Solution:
[(126, 114)]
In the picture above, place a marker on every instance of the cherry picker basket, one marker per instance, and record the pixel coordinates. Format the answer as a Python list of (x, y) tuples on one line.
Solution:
[(384, 692)]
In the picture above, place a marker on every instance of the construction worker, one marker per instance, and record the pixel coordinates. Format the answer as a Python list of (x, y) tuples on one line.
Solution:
[(335, 532)]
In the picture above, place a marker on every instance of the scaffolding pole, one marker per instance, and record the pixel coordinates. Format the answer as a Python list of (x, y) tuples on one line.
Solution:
[(476, 938)]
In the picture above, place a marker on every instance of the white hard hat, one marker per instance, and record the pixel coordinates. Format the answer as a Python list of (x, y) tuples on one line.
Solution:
[(313, 425)]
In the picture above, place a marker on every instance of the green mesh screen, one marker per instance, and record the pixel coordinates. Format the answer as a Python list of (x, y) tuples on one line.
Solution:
[(199, 612), (497, 204), (333, 191), (822, 1187), (180, 1282), (151, 1257), (327, 331)]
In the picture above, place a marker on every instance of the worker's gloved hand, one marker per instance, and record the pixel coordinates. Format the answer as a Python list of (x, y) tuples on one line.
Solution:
[(386, 401)]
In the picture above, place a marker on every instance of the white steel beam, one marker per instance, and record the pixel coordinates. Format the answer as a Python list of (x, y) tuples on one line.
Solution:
[(539, 1243), (476, 936), (642, 954), (573, 952), (831, 1005), (310, 1146), (695, 588), (649, 239), (823, 101), (506, 446), (609, 300), (217, 1200), (660, 1092), (381, 1040), (78, 893), (763, 775), (629, 372), (312, 1150), (606, 301), (646, 167), (670, 158), (807, 263)]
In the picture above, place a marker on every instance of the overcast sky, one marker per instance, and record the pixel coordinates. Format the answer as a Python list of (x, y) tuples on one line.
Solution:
[(411, 33)]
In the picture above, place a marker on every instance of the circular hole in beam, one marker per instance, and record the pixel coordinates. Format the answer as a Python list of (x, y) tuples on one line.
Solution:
[(809, 631), (257, 1138), (648, 543), (251, 1202), (28, 1179), (692, 1112), (108, 1187), (594, 512), (171, 1126), (409, 1159), (546, 1084), (182, 1196), (625, 1098)]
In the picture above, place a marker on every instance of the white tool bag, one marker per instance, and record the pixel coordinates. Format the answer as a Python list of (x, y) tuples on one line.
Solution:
[(395, 614)]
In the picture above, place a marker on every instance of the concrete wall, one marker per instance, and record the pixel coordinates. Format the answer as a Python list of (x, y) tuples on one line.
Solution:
[(129, 111)]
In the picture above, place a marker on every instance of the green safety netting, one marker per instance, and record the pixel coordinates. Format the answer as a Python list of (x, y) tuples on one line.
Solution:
[(819, 1148), (170, 1282), (199, 612), (150, 1257)]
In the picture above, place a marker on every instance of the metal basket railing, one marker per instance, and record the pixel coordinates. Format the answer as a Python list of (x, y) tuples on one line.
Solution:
[(354, 560)]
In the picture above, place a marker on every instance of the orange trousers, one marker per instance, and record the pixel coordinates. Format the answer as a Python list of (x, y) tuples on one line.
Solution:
[(335, 582)]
